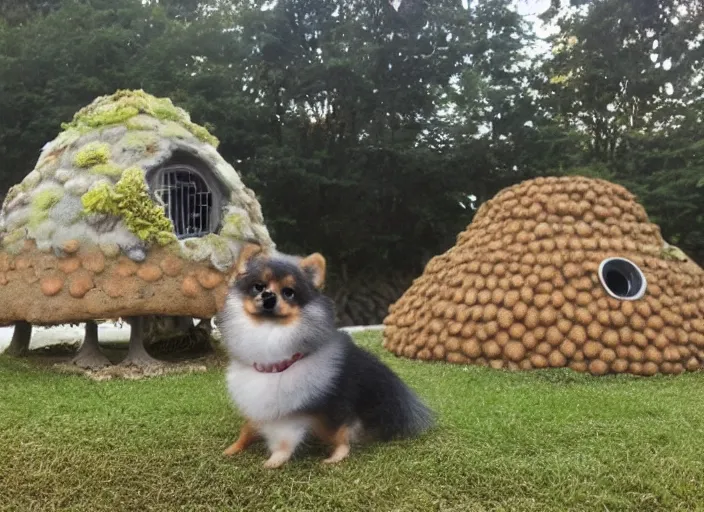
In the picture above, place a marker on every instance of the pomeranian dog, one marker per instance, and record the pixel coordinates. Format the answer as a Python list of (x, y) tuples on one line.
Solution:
[(293, 374)]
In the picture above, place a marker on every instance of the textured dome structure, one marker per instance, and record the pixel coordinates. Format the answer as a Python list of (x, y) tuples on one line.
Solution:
[(556, 272), (130, 211)]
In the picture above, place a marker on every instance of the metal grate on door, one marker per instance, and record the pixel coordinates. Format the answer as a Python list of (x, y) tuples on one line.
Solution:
[(187, 199)]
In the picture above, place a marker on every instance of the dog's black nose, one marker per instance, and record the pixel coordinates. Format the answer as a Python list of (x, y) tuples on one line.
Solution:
[(268, 300)]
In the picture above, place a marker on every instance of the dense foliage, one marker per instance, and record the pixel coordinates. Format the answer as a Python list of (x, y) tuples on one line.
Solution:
[(363, 128)]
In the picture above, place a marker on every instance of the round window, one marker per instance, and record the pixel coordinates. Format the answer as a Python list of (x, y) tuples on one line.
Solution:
[(622, 279), (187, 198)]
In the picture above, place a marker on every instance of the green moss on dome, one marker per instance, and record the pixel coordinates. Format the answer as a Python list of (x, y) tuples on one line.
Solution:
[(195, 249), (44, 200), (166, 111), (174, 130), (232, 225), (140, 140), (140, 123), (41, 203), (92, 154), (216, 242), (117, 115), (122, 106), (36, 217), (203, 134), (107, 169), (220, 253), (13, 239), (129, 199), (212, 247)]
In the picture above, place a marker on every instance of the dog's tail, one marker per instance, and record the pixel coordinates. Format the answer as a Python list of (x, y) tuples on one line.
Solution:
[(389, 408), (405, 414)]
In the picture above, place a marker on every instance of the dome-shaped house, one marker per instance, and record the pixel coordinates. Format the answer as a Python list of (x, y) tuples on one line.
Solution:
[(130, 211), (556, 272)]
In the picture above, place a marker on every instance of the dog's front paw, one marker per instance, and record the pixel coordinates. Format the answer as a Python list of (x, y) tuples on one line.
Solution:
[(236, 447), (277, 460), (232, 450)]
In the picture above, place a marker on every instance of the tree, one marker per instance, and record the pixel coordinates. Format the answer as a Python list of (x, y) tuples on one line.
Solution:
[(353, 93), (55, 63), (623, 82)]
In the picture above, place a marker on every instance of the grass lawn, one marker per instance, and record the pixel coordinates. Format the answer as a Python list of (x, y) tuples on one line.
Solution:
[(548, 440)]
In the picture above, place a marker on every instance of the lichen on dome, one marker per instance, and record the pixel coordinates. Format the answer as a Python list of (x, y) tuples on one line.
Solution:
[(92, 154), (129, 200), (520, 289), (123, 106)]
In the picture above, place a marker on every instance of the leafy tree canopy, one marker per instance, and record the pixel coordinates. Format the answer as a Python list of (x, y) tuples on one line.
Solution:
[(363, 126)]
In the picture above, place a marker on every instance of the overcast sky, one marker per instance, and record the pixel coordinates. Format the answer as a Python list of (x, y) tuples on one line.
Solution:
[(531, 9)]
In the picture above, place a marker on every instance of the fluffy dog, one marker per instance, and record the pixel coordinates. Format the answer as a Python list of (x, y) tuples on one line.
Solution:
[(293, 374)]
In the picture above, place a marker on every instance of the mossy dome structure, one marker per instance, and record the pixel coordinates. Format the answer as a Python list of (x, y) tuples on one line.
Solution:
[(556, 272), (130, 211)]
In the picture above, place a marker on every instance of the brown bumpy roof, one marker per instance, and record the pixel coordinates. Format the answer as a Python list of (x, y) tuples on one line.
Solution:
[(521, 288)]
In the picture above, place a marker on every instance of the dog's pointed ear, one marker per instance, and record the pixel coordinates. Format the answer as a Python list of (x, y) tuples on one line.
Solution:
[(247, 252), (314, 267)]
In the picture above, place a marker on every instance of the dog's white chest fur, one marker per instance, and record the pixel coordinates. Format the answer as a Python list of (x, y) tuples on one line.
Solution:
[(263, 397), (270, 396)]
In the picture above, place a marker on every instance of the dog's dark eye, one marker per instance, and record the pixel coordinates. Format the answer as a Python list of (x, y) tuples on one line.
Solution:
[(258, 287), (288, 293)]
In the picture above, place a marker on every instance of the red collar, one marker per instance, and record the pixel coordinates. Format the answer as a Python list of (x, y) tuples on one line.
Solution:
[(277, 367)]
